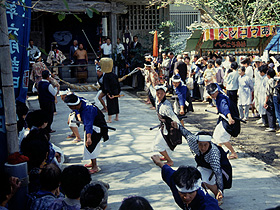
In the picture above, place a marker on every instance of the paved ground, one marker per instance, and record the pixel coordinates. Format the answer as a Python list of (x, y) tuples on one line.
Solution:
[(127, 167)]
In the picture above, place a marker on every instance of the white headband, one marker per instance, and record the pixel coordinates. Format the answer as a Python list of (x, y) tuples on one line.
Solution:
[(214, 91), (204, 138), (158, 87), (74, 104), (195, 187), (176, 80), (147, 65)]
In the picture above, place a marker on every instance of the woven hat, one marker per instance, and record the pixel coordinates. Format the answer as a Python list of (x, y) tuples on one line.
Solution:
[(106, 65)]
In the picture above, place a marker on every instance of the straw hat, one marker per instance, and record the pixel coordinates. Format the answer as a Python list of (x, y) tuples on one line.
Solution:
[(106, 65)]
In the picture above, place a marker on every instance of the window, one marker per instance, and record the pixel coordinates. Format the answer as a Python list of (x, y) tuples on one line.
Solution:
[(139, 17)]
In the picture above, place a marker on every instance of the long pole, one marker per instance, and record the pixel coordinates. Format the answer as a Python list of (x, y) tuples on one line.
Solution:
[(89, 42), (7, 83)]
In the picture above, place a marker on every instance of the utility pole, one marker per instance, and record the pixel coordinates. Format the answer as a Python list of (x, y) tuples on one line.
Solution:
[(7, 83)]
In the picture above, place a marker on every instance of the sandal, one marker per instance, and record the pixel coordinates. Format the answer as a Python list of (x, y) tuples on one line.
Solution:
[(88, 165), (76, 140), (162, 158), (91, 171), (232, 157)]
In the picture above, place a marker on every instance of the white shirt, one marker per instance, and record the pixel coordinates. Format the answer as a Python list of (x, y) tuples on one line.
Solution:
[(107, 49), (33, 51), (249, 72), (52, 90), (120, 48)]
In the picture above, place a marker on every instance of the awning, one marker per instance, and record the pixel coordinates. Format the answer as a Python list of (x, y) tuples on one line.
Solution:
[(274, 44), (193, 40)]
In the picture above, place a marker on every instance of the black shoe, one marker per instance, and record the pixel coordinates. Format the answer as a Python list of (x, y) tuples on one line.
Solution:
[(52, 131)]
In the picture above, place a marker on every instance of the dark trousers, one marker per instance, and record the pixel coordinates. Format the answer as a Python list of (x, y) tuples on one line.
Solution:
[(196, 94), (232, 94), (140, 80), (270, 112), (48, 108)]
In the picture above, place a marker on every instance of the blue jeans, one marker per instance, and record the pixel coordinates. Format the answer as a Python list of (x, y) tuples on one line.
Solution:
[(277, 108)]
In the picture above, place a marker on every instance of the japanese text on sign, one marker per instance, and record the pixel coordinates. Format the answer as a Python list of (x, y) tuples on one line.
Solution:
[(222, 44)]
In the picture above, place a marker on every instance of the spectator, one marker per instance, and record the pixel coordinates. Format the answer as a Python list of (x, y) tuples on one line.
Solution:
[(249, 69), (219, 72), (135, 203), (135, 44), (73, 180), (35, 119), (34, 51), (55, 57), (181, 67), (201, 64), (231, 82), (95, 196), (36, 147), (268, 104), (9, 186), (245, 93), (36, 74), (49, 180), (172, 61), (73, 48), (257, 82), (209, 76), (21, 110), (194, 71), (47, 95), (262, 95), (107, 48)]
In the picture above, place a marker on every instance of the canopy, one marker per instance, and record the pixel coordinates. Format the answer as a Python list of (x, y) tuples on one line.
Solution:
[(274, 44)]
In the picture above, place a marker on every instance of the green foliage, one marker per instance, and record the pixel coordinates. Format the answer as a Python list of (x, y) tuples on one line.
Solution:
[(61, 16), (66, 4), (166, 40), (236, 12), (89, 12)]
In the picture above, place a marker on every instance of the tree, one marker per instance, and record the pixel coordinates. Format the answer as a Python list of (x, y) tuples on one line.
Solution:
[(234, 12)]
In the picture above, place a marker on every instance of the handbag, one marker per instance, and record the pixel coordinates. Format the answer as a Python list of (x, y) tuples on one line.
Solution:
[(189, 83)]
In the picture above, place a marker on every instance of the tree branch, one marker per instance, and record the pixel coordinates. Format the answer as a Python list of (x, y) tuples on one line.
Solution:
[(244, 13)]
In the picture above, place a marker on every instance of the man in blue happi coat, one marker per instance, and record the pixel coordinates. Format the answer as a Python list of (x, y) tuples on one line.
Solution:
[(183, 93), (185, 185), (95, 128), (228, 124)]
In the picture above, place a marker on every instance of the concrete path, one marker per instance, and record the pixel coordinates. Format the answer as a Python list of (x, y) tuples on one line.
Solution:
[(127, 167)]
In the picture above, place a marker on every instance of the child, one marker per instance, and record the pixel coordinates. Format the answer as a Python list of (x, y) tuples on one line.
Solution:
[(245, 93)]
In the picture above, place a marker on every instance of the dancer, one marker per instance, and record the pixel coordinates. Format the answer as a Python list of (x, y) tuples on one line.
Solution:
[(184, 98), (185, 184), (94, 126), (111, 88), (225, 128), (73, 116), (167, 136), (212, 161)]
